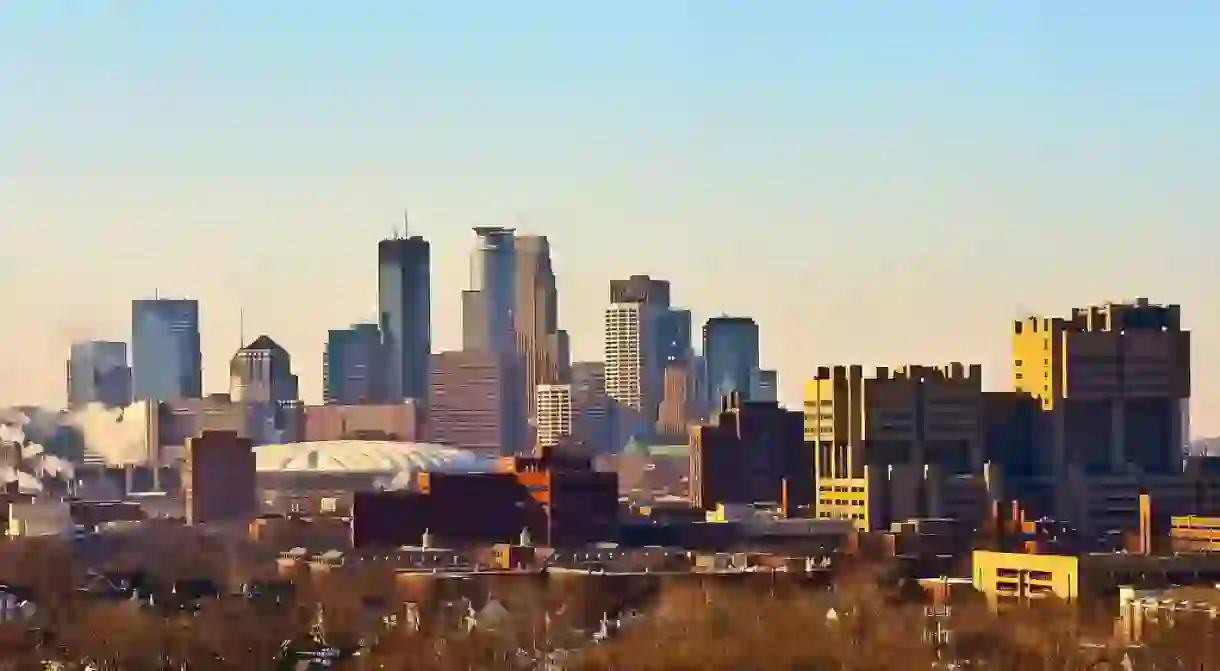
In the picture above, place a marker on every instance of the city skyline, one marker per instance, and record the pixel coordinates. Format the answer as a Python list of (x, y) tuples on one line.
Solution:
[(874, 187)]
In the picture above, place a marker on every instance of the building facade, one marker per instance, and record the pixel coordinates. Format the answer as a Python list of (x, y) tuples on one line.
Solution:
[(401, 422), (474, 401), (630, 371), (166, 358), (674, 337), (1113, 381), (98, 373), (219, 478), (730, 354), (592, 410), (354, 366), (554, 403), (261, 372), (1111, 384), (487, 306), (404, 297), (676, 411), (764, 385), (543, 347), (883, 444), (751, 452)]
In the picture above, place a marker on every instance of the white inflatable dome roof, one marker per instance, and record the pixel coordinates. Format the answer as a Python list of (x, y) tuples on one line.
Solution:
[(375, 457)]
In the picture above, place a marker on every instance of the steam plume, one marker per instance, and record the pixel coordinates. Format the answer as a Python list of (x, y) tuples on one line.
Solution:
[(118, 436)]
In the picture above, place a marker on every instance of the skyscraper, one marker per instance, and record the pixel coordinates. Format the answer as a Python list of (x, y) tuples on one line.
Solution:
[(166, 359), (261, 381), (261, 372), (629, 371), (730, 352), (354, 366), (554, 403), (663, 335), (487, 306), (98, 373), (404, 296), (543, 347), (674, 337)]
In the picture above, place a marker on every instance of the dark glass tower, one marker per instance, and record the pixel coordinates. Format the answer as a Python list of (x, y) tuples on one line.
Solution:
[(730, 352), (353, 366), (404, 296)]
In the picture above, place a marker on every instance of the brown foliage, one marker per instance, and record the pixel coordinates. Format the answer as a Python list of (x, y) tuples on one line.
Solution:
[(694, 622)]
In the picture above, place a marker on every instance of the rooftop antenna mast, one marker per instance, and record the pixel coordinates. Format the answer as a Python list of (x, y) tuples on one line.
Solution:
[(406, 223)]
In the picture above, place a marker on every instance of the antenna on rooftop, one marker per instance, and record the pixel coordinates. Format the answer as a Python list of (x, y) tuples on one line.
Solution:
[(406, 223)]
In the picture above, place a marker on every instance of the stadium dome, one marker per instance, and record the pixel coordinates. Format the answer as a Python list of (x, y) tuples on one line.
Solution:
[(394, 461)]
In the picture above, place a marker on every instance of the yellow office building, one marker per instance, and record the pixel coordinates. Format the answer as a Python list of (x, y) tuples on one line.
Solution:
[(904, 442), (1010, 578)]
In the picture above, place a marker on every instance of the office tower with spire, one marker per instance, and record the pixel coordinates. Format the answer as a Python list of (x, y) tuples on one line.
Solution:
[(167, 361), (404, 296)]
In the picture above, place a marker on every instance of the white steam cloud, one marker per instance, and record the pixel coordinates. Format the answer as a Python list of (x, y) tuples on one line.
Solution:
[(120, 436), (47, 442)]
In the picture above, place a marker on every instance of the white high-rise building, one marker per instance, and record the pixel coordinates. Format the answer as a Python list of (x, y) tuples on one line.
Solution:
[(554, 413), (632, 373)]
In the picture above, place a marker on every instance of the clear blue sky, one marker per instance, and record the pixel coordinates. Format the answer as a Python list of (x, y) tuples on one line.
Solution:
[(875, 182)]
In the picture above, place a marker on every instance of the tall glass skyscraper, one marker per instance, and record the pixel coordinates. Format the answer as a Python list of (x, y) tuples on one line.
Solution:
[(487, 307), (730, 353), (166, 358), (404, 297), (353, 366)]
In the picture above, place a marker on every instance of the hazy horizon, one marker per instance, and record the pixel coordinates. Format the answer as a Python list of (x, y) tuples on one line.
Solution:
[(879, 184)]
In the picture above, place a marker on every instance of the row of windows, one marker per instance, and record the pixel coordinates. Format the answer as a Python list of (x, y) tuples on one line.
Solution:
[(841, 502), (841, 516), (1014, 573)]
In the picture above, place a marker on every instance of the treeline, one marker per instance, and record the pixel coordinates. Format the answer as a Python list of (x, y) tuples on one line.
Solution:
[(862, 623)]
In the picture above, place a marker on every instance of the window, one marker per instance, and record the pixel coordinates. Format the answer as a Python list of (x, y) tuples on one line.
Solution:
[(1039, 575)]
